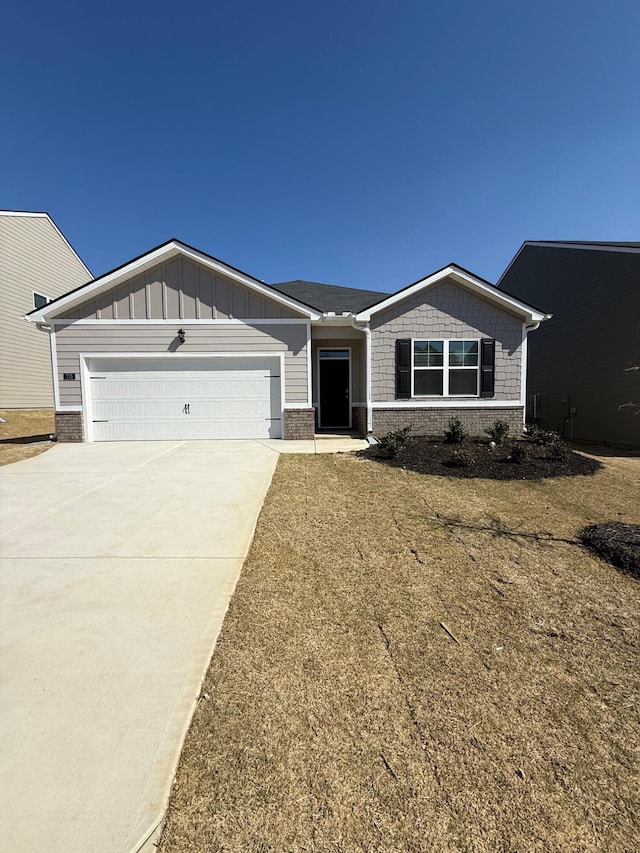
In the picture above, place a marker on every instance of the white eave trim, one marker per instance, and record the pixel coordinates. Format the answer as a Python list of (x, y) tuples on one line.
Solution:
[(476, 285), (162, 254)]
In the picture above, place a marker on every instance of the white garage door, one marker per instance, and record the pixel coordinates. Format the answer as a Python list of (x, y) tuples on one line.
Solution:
[(184, 398)]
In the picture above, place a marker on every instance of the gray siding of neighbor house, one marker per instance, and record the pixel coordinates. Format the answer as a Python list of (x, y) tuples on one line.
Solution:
[(33, 257), (579, 359), (182, 290), (447, 310), (75, 338)]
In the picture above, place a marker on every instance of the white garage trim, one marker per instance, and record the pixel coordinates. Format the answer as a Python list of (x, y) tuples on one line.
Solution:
[(154, 356), (183, 321)]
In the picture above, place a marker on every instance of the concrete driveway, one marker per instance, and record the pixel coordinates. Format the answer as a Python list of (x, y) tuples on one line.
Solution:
[(117, 565)]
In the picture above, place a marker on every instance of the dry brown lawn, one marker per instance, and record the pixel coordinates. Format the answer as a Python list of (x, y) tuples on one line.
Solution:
[(24, 422), (416, 663)]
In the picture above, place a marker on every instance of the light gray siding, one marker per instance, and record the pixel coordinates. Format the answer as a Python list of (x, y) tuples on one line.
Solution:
[(180, 290), (75, 338), (579, 360), (33, 257), (447, 310)]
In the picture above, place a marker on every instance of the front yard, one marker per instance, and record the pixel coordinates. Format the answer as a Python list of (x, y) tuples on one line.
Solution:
[(418, 663), (22, 423)]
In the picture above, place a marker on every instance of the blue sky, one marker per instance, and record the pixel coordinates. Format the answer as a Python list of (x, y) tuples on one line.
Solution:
[(357, 143)]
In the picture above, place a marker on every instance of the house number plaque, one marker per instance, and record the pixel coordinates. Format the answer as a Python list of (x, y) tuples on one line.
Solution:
[(68, 376)]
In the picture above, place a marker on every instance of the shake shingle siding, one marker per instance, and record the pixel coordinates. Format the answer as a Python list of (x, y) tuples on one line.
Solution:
[(578, 361), (446, 311)]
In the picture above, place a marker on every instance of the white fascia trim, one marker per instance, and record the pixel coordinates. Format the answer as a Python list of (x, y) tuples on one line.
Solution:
[(450, 403), (475, 284), (155, 257), (24, 213), (284, 321), (153, 355)]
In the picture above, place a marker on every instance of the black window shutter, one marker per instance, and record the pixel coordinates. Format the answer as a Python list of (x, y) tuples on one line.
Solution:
[(487, 367), (403, 369)]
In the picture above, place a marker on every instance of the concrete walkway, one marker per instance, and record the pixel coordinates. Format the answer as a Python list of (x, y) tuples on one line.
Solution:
[(117, 565)]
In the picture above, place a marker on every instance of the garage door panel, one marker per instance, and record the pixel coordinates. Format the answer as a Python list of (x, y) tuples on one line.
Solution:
[(171, 400)]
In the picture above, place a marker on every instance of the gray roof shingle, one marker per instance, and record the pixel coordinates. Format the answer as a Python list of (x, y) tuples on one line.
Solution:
[(330, 297)]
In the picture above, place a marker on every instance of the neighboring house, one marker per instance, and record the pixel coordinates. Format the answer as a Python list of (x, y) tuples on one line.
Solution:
[(37, 264), (176, 344), (581, 364)]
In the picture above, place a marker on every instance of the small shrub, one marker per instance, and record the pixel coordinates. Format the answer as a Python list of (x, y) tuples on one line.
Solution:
[(392, 443), (457, 432), (558, 450), (460, 459), (498, 431), (546, 437), (519, 453)]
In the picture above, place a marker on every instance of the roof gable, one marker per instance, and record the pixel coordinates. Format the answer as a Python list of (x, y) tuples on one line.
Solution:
[(465, 279), (162, 255)]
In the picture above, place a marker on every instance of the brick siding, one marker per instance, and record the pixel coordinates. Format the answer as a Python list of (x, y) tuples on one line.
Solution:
[(359, 414), (432, 422), (299, 424), (69, 426)]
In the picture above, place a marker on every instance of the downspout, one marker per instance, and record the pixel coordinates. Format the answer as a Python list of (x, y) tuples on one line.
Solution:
[(367, 337)]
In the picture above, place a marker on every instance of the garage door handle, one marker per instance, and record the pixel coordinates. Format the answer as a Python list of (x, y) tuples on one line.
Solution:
[(186, 409)]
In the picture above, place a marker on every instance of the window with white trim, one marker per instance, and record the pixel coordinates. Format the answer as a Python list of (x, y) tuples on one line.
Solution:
[(39, 301), (445, 368)]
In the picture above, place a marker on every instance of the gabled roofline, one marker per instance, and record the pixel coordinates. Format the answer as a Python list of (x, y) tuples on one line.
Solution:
[(45, 215), (571, 244), (169, 249), (473, 282)]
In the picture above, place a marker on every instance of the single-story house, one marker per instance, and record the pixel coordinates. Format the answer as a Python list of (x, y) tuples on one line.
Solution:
[(37, 264), (583, 367), (176, 344)]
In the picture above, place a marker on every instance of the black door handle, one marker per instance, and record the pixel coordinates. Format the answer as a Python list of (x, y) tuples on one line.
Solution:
[(186, 409)]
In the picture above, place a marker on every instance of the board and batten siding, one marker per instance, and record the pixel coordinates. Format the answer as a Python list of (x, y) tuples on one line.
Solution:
[(76, 338), (447, 310), (33, 257), (183, 290), (579, 360)]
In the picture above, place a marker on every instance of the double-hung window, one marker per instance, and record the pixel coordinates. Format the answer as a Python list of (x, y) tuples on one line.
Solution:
[(445, 368)]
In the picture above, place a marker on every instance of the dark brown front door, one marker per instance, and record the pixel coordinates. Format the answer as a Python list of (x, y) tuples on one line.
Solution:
[(335, 405)]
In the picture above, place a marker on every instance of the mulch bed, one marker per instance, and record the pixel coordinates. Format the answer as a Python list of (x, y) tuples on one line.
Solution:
[(617, 543), (427, 456)]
